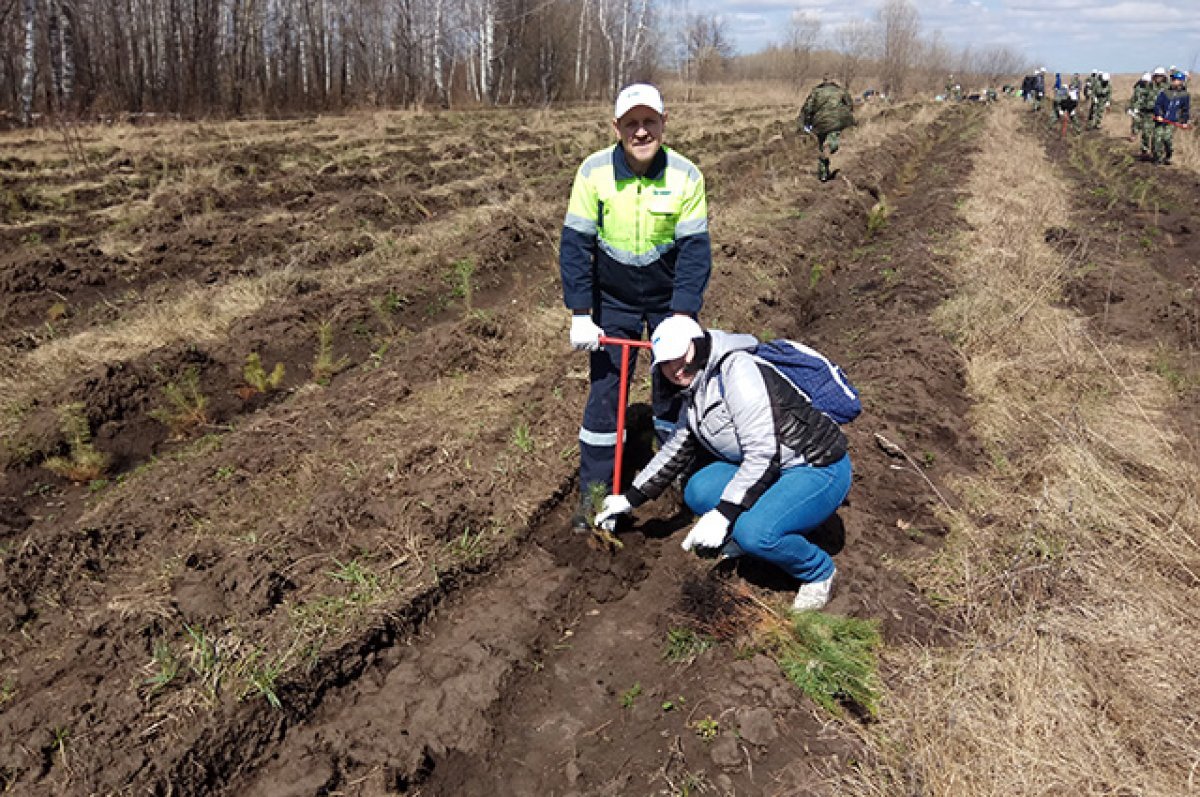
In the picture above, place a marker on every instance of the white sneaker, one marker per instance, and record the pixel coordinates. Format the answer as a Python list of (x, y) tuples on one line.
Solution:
[(813, 596)]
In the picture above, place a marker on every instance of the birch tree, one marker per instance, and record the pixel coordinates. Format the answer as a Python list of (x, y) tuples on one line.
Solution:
[(238, 56), (803, 31), (899, 32), (29, 23)]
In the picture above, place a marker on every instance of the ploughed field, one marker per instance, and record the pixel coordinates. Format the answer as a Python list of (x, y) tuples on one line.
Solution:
[(323, 547)]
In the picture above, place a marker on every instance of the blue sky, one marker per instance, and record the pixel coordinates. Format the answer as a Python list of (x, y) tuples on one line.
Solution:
[(1063, 35)]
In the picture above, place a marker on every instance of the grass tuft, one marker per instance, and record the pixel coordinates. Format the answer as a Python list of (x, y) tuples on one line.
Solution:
[(163, 667), (684, 645)]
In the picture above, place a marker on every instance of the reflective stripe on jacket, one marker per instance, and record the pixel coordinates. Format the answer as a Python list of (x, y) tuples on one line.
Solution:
[(641, 240)]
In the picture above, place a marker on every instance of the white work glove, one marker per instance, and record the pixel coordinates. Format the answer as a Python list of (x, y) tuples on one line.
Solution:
[(585, 335), (613, 505), (709, 532)]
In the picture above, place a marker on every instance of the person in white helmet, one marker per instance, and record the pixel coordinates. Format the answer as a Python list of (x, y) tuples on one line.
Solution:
[(634, 250), (1101, 97), (1145, 109), (1132, 107)]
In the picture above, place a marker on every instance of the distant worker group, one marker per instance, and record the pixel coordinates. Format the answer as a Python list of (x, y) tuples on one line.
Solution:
[(1159, 104)]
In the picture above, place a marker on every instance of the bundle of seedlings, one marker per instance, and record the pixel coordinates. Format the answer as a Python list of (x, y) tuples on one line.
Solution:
[(832, 659)]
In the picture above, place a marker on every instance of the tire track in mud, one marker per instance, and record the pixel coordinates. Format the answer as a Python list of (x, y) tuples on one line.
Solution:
[(531, 700)]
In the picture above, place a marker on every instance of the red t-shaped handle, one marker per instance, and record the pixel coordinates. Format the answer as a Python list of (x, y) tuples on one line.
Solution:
[(625, 345)]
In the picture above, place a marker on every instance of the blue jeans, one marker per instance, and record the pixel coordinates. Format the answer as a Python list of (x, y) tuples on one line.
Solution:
[(773, 529)]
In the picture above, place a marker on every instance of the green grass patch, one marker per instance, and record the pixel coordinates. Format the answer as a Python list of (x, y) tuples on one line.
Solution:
[(684, 645)]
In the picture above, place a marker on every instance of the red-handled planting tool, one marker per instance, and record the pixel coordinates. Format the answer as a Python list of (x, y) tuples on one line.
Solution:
[(625, 345)]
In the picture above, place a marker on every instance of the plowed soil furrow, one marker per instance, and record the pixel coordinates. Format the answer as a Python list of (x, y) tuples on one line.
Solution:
[(571, 726), (1134, 253), (543, 711)]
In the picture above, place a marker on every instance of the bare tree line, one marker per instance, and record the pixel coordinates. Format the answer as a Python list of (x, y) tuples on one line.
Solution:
[(889, 47), (235, 57), (201, 57)]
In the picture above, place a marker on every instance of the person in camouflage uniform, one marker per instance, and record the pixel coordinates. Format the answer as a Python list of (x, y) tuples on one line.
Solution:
[(1145, 108), (1131, 107), (1172, 109), (827, 111), (1101, 97)]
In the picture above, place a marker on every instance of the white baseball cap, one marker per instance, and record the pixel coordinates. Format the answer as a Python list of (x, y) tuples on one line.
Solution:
[(637, 94), (671, 338)]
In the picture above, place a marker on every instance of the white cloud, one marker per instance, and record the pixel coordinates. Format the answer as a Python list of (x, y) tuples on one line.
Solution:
[(1117, 35)]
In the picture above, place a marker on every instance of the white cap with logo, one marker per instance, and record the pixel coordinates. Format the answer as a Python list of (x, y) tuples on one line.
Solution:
[(637, 94), (671, 338)]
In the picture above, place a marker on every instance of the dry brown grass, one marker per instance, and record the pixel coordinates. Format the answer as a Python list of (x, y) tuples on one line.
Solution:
[(1075, 565), (1187, 149)]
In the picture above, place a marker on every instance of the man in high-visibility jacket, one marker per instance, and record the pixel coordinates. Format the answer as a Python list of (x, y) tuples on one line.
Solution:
[(634, 250)]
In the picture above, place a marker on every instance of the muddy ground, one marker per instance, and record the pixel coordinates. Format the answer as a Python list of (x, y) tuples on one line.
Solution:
[(364, 583)]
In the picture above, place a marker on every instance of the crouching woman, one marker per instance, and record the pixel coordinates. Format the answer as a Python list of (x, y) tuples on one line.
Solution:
[(780, 466)]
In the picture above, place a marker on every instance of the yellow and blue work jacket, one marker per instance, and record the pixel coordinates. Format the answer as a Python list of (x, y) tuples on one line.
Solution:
[(639, 241)]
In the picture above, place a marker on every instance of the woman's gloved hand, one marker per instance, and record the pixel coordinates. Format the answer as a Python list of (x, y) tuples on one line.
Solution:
[(710, 531)]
